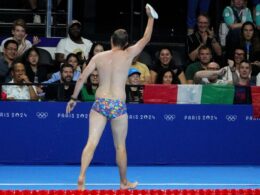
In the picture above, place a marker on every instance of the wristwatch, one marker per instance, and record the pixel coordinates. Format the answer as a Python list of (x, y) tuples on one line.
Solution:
[(74, 99)]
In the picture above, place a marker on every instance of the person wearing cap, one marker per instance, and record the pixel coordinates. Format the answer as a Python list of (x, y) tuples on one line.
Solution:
[(145, 76), (112, 66), (74, 43), (134, 93)]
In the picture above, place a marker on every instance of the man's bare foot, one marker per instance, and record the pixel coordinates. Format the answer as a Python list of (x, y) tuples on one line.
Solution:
[(128, 185), (81, 183)]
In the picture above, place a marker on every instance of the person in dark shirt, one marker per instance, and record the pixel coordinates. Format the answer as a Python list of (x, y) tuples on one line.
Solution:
[(63, 89), (36, 72), (165, 61)]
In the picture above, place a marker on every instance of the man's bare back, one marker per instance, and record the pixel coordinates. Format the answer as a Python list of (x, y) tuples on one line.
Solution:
[(112, 66)]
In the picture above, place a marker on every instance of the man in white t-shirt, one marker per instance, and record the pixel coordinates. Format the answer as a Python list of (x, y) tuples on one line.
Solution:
[(74, 43)]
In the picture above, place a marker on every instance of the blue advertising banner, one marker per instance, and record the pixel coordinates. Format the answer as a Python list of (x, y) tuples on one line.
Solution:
[(41, 133)]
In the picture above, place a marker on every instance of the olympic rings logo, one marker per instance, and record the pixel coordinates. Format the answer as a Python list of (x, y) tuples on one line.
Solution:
[(42, 115), (169, 117), (231, 118)]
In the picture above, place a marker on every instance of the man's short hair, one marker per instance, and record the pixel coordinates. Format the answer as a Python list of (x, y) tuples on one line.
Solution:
[(120, 38), (15, 62), (65, 65), (19, 22), (204, 47), (9, 42)]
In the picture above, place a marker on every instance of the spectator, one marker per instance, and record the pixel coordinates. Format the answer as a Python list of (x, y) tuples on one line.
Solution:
[(74, 43), (145, 77), (203, 36), (167, 76), (235, 16), (210, 75), (164, 61), (22, 91), (134, 94), (204, 56), (249, 40), (245, 70), (9, 54), (19, 35), (73, 60), (96, 48), (89, 89), (193, 5), (36, 72), (242, 89), (233, 64), (62, 89)]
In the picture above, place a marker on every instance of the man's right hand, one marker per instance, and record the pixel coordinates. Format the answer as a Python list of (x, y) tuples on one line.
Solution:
[(70, 106), (151, 13)]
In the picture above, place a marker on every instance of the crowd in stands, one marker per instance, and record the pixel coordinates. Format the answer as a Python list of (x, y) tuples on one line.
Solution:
[(229, 57)]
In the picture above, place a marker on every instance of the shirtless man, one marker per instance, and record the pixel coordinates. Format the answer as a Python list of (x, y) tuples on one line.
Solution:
[(112, 66)]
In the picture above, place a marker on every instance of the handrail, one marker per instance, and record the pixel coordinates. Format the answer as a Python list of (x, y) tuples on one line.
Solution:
[(49, 16)]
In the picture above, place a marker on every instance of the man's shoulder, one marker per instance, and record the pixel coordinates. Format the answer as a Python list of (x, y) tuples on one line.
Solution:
[(194, 65), (86, 41), (64, 39)]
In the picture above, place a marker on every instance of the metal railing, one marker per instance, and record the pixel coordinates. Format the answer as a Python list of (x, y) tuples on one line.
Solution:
[(49, 16)]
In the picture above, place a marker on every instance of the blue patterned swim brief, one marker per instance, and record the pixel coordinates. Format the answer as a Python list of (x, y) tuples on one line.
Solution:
[(110, 108)]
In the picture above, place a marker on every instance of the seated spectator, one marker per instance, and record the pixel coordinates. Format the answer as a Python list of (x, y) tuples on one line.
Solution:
[(9, 54), (22, 91), (19, 35), (88, 91), (203, 36), (62, 89), (193, 5), (250, 41), (134, 94), (74, 43), (210, 75), (73, 60), (36, 72), (233, 64), (167, 76), (96, 48), (244, 78), (235, 16), (243, 90), (145, 77), (204, 57), (165, 60)]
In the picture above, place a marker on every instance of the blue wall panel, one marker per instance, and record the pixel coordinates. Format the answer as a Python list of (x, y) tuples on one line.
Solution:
[(41, 133)]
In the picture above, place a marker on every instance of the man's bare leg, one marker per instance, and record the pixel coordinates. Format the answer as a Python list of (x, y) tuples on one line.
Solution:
[(97, 123), (119, 127)]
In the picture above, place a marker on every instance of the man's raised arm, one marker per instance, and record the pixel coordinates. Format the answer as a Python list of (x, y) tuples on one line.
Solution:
[(138, 47)]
